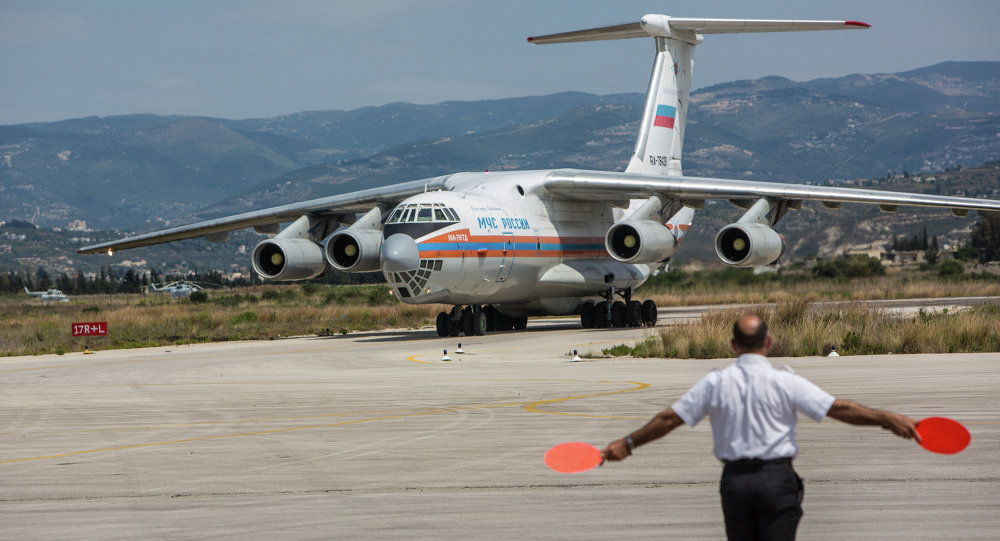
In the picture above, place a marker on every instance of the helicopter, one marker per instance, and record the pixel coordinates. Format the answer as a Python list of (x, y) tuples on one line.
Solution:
[(50, 295)]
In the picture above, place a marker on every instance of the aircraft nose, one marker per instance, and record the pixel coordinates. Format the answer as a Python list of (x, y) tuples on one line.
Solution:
[(399, 253)]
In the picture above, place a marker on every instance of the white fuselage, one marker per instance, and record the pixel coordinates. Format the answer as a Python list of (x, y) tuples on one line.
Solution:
[(511, 246)]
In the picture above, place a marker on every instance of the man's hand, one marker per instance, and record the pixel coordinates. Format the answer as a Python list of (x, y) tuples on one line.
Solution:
[(901, 425), (616, 450)]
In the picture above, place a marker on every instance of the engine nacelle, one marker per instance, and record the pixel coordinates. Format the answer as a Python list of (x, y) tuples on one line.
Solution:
[(640, 241), (748, 245), (354, 250), (288, 259)]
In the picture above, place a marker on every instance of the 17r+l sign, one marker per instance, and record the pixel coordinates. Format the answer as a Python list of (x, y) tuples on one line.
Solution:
[(98, 328)]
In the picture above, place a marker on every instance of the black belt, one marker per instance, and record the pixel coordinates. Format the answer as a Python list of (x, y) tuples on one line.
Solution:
[(757, 462)]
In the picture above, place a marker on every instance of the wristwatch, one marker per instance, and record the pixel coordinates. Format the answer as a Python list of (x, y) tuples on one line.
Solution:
[(629, 443)]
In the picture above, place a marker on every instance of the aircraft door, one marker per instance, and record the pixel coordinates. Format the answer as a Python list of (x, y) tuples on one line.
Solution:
[(507, 261)]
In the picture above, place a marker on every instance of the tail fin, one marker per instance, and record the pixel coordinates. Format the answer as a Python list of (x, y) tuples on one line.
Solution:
[(660, 142)]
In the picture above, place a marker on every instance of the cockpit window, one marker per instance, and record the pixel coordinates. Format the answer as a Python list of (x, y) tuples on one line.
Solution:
[(422, 212)]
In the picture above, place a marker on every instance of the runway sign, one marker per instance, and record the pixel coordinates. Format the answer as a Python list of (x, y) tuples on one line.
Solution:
[(97, 328)]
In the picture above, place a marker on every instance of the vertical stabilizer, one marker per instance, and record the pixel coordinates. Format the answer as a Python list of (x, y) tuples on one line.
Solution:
[(660, 142)]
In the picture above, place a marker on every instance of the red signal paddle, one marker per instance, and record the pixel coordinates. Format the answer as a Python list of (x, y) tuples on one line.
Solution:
[(943, 435), (573, 457)]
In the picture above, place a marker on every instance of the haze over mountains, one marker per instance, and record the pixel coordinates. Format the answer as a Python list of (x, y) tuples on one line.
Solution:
[(142, 172)]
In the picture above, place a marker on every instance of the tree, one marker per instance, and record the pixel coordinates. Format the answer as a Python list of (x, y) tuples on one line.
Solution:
[(985, 236), (932, 253)]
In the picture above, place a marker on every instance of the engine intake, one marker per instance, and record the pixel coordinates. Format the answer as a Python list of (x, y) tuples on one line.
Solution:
[(288, 259), (748, 245), (354, 250), (640, 241)]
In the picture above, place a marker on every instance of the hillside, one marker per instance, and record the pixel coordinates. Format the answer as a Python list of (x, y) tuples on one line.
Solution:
[(118, 172), (769, 129), (144, 172)]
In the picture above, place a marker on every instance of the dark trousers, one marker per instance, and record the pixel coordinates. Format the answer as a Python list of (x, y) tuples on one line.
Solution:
[(761, 500)]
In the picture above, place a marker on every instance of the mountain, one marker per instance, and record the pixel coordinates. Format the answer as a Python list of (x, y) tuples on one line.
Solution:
[(121, 171), (143, 172)]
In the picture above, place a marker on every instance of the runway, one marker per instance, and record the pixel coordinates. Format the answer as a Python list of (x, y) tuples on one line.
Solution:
[(374, 435)]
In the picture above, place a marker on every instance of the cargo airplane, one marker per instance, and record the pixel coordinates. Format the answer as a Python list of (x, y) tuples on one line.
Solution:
[(500, 246)]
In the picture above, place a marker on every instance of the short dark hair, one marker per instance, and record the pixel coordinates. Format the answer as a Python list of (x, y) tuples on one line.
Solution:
[(753, 341)]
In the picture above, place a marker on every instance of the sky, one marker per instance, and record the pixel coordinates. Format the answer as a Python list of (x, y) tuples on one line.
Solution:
[(255, 59)]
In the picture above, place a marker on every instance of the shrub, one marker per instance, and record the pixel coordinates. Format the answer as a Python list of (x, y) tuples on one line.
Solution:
[(245, 317), (309, 288), (950, 267), (270, 294), (198, 297)]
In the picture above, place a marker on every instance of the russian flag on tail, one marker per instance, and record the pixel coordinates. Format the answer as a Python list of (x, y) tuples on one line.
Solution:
[(665, 116)]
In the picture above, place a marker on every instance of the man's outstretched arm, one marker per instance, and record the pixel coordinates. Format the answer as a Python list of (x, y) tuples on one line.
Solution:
[(851, 412), (656, 428)]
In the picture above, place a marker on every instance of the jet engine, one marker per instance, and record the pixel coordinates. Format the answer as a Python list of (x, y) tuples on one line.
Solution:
[(354, 250), (288, 259), (640, 241), (748, 245)]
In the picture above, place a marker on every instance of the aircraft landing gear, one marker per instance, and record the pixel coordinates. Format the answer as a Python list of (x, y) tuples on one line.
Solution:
[(476, 321), (612, 313)]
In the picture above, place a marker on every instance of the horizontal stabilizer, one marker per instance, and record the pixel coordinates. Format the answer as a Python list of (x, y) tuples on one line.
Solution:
[(669, 27)]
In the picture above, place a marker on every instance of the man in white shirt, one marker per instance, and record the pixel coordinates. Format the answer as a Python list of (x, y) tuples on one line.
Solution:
[(753, 408)]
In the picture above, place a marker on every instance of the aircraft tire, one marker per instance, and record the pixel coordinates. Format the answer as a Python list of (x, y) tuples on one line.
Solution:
[(649, 313), (479, 324), (492, 318), (601, 315), (442, 324), (587, 315), (520, 323), (618, 314), (633, 313), (467, 328)]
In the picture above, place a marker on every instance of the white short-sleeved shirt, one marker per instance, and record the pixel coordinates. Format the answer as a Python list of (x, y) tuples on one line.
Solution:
[(752, 407)]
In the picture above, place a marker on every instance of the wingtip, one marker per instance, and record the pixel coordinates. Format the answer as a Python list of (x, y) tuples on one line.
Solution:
[(859, 24)]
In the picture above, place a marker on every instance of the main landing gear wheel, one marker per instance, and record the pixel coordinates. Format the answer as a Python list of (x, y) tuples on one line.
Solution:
[(520, 323), (476, 321), (649, 313), (618, 314), (612, 313), (587, 315), (467, 324), (601, 319), (442, 324), (633, 313), (479, 322)]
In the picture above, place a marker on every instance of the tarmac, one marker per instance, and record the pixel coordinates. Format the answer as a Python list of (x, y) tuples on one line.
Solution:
[(372, 435)]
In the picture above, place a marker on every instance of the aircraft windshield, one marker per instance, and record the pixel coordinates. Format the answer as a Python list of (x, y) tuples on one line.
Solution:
[(423, 213)]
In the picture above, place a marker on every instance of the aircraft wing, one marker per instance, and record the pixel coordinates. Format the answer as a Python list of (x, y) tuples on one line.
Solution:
[(349, 203), (599, 185)]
